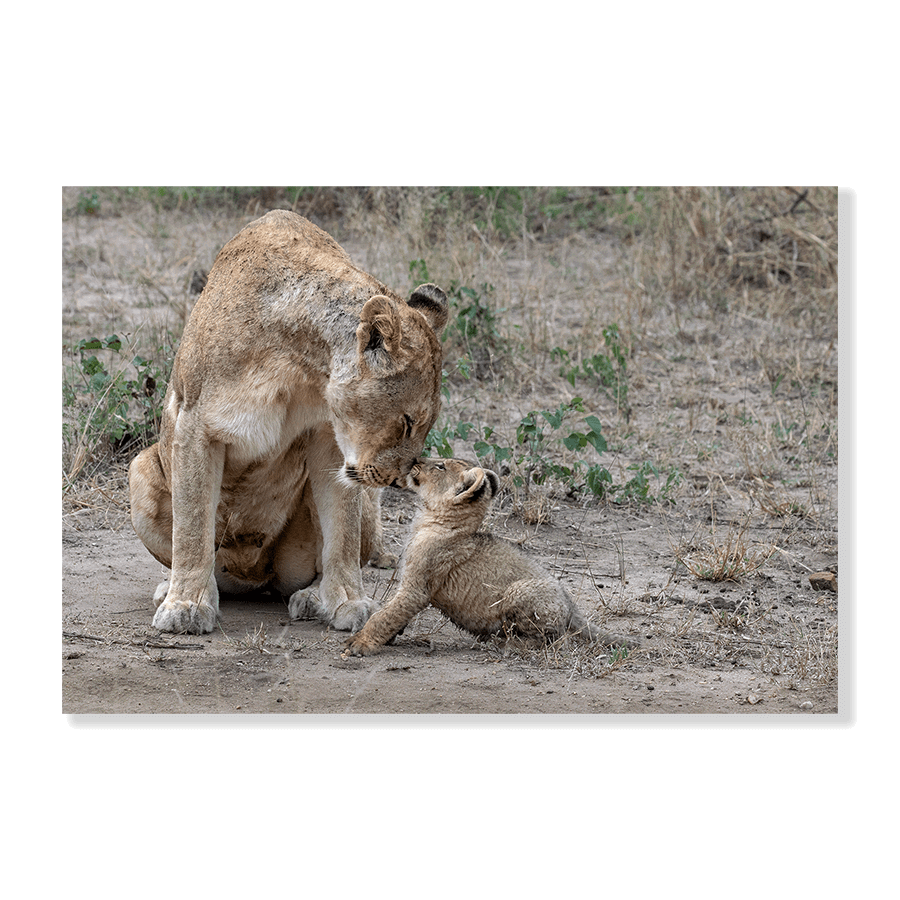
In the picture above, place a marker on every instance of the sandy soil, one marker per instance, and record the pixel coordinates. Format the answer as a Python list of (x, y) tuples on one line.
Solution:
[(763, 644), (259, 661)]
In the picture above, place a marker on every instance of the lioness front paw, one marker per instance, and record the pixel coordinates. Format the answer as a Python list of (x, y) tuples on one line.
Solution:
[(185, 609), (346, 615), (182, 617), (351, 615)]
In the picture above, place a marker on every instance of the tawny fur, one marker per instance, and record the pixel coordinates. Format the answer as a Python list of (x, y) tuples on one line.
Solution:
[(301, 387), (482, 583)]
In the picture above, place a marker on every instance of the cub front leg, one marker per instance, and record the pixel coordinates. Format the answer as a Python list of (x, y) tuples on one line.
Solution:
[(191, 603), (388, 622)]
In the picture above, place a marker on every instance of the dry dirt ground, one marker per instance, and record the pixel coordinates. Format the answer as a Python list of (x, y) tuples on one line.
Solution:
[(742, 406)]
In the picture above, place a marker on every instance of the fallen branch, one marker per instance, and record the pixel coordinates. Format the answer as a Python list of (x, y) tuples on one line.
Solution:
[(155, 645)]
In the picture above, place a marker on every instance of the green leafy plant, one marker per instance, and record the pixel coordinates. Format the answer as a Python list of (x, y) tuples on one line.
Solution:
[(535, 444), (617, 654), (473, 329), (474, 319), (418, 272), (482, 440), (646, 475), (537, 456), (608, 369), (88, 204), (110, 404)]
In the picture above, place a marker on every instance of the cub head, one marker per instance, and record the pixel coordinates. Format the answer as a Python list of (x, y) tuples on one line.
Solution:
[(452, 483), (384, 402)]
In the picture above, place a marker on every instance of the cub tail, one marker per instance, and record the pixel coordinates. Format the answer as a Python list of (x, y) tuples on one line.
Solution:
[(580, 628)]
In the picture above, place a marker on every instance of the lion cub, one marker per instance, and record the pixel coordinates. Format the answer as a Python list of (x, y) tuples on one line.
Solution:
[(482, 583)]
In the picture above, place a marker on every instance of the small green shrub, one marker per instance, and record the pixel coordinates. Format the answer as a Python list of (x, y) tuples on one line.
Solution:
[(646, 475), (474, 319), (473, 330), (88, 204), (608, 368), (110, 405), (537, 456), (536, 446)]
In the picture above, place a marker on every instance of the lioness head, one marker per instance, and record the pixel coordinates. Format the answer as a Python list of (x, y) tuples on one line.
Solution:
[(385, 404), (445, 483)]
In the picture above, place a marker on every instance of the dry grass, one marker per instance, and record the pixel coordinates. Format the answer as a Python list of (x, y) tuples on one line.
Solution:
[(807, 655), (770, 251), (725, 557)]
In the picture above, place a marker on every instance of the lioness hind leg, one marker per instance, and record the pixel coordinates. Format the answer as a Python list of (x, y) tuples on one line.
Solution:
[(298, 554), (160, 593), (151, 511), (151, 504)]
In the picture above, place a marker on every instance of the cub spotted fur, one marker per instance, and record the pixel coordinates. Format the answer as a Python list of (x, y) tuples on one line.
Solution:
[(301, 387), (482, 583)]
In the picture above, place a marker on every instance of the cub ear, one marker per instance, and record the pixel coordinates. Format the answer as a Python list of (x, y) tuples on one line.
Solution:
[(431, 301), (477, 484), (379, 326)]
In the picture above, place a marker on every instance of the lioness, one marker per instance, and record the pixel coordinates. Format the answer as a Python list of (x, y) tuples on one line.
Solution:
[(482, 583), (301, 386)]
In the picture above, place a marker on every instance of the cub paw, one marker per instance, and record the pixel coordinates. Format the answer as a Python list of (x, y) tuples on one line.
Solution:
[(359, 646)]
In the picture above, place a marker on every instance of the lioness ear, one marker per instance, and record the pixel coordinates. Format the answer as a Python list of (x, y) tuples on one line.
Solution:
[(379, 326), (431, 301)]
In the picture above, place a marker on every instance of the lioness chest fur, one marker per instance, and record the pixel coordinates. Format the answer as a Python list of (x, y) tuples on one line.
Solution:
[(482, 583), (302, 385)]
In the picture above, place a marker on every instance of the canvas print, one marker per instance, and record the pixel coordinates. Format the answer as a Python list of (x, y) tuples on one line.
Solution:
[(450, 450)]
